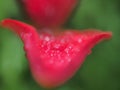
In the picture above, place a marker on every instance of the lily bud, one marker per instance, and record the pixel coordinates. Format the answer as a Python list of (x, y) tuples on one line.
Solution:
[(49, 13)]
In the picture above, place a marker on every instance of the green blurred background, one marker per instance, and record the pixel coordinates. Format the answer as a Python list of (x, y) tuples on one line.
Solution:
[(101, 70)]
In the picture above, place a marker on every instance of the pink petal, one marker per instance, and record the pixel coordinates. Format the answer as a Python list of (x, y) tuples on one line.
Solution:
[(55, 58)]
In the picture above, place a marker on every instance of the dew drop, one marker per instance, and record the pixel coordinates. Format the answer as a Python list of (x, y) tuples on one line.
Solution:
[(79, 40), (47, 38)]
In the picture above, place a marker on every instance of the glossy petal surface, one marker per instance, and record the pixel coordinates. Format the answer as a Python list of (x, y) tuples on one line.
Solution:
[(49, 13), (55, 58)]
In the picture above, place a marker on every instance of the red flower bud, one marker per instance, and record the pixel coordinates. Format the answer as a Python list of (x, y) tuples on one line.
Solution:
[(54, 58), (49, 13)]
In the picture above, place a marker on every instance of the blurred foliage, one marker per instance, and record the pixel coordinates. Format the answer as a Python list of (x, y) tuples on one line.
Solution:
[(101, 70)]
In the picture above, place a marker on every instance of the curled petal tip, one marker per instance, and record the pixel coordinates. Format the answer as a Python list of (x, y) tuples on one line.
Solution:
[(23, 30), (16, 26)]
